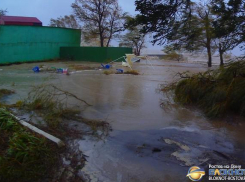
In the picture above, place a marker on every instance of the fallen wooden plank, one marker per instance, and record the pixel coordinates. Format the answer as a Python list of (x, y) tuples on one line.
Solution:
[(59, 142)]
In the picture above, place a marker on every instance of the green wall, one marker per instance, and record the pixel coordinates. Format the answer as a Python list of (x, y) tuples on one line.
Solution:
[(95, 54), (30, 43)]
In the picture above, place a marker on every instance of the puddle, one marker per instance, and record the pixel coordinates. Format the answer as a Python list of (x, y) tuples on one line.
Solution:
[(147, 143)]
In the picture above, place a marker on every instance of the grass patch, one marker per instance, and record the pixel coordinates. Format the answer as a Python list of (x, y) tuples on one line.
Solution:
[(5, 92), (24, 156), (132, 72), (98, 125), (217, 92), (80, 67), (106, 72)]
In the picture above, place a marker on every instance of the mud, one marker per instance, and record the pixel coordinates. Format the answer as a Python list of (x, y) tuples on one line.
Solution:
[(148, 143)]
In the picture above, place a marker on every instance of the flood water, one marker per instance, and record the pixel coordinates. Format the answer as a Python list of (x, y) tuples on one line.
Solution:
[(148, 142)]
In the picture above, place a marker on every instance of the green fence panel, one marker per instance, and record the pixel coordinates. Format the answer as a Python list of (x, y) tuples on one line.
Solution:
[(94, 54), (30, 43)]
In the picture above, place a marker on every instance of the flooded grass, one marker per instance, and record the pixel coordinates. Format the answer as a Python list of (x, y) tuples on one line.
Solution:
[(24, 156), (132, 72), (48, 103), (108, 72), (5, 92), (77, 67), (217, 92), (98, 125), (51, 103)]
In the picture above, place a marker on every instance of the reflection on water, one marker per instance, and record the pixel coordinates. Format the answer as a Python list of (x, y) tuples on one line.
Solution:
[(132, 105)]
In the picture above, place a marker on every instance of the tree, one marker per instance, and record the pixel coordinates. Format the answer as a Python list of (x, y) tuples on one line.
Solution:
[(133, 38), (194, 30), (65, 22), (159, 17), (231, 17), (101, 18), (225, 44), (229, 24), (224, 39), (205, 15), (2, 12), (183, 24)]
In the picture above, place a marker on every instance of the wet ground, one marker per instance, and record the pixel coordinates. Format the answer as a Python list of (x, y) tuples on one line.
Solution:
[(148, 143)]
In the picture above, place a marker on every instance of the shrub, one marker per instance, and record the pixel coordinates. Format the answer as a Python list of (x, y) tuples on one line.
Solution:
[(25, 156), (217, 92)]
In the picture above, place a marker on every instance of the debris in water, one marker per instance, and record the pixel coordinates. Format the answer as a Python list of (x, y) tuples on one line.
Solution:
[(107, 66), (119, 71), (5, 92), (36, 69), (186, 158), (183, 147), (155, 150)]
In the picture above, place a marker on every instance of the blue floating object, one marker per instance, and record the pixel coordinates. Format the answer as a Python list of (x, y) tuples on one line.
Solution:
[(119, 71), (106, 66), (60, 70), (36, 69)]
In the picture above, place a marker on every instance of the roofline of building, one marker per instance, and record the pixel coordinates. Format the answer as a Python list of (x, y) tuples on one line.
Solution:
[(41, 26)]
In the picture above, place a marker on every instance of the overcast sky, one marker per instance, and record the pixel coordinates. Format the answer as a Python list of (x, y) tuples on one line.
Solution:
[(47, 9)]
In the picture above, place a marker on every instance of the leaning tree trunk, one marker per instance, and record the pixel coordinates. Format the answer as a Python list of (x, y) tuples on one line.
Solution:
[(138, 54), (101, 41), (209, 54), (208, 37), (221, 55), (137, 51), (101, 38)]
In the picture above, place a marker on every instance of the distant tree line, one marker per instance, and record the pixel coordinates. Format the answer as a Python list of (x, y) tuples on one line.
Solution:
[(3, 12)]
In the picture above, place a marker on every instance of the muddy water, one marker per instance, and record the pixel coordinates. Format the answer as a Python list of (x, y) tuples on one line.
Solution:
[(148, 143)]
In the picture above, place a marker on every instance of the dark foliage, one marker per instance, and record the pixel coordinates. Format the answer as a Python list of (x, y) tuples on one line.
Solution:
[(217, 92), (159, 16)]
